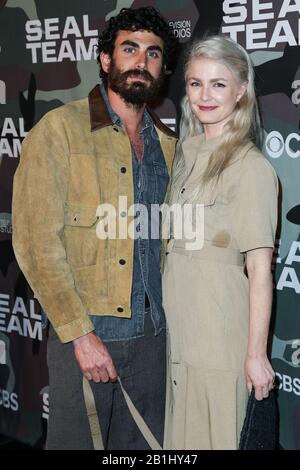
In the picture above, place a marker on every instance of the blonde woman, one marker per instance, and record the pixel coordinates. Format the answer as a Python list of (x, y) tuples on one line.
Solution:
[(218, 298)]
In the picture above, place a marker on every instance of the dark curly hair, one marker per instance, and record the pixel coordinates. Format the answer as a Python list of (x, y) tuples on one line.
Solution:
[(146, 18)]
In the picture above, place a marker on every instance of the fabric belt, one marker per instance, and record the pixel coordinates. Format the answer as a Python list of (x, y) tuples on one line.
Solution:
[(208, 252)]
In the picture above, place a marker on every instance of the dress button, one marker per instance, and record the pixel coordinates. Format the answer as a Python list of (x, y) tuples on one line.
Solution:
[(122, 261), (120, 309), (123, 169), (182, 191), (123, 214)]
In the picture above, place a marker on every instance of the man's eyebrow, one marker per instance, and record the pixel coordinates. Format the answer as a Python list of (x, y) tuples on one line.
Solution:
[(127, 42), (154, 47)]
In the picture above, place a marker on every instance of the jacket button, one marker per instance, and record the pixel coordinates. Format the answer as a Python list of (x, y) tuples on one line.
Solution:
[(120, 309), (123, 169), (123, 214), (122, 261)]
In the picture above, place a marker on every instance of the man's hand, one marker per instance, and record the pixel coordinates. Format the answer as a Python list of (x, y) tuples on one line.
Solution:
[(94, 359)]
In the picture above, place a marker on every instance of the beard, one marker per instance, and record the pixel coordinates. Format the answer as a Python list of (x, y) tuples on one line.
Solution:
[(137, 93)]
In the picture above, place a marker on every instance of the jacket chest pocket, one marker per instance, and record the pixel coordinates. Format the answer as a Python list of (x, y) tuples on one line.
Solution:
[(80, 237), (84, 182), (161, 180)]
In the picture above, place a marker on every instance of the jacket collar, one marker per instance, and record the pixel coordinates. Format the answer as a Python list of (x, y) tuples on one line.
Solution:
[(100, 117)]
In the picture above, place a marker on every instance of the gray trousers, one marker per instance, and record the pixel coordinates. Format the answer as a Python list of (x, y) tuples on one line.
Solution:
[(141, 365)]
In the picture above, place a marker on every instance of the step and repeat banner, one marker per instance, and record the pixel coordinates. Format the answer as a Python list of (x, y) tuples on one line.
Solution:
[(48, 58)]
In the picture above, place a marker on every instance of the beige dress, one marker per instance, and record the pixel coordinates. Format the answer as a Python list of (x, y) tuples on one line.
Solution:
[(206, 298)]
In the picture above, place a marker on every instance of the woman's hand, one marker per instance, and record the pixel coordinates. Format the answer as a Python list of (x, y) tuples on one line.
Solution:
[(260, 375)]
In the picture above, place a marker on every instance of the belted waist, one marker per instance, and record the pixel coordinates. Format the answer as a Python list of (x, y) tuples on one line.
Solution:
[(208, 252)]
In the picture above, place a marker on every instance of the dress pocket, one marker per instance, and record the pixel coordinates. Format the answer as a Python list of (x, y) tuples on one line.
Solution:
[(216, 219)]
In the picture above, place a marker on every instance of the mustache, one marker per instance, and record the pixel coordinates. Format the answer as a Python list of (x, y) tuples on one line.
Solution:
[(138, 73)]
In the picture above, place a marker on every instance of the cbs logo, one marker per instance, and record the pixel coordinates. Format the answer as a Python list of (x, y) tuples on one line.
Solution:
[(276, 144)]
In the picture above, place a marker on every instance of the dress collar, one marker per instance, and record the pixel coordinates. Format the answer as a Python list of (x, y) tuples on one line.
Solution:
[(197, 147)]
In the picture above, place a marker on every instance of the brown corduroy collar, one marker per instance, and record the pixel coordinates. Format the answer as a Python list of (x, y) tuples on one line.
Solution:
[(99, 115)]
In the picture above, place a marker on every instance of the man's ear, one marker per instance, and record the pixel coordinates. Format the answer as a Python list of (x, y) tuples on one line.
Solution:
[(105, 60), (166, 70)]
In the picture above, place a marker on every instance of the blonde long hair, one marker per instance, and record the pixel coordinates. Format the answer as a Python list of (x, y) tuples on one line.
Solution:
[(245, 123)]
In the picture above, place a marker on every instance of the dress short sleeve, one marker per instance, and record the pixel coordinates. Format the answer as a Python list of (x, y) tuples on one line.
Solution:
[(256, 204)]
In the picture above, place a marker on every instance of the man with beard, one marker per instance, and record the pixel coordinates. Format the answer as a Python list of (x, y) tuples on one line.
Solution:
[(101, 289)]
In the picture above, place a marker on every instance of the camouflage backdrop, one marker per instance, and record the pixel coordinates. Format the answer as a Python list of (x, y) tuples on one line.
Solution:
[(47, 58)]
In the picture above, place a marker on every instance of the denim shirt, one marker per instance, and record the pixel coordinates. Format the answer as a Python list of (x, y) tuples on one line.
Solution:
[(150, 180)]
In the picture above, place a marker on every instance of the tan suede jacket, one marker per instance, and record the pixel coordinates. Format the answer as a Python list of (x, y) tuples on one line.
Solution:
[(71, 161)]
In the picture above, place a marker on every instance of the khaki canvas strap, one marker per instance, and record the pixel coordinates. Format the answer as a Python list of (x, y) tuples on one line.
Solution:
[(94, 420), (92, 415)]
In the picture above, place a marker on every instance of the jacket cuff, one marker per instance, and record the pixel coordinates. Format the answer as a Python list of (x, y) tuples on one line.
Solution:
[(75, 329)]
